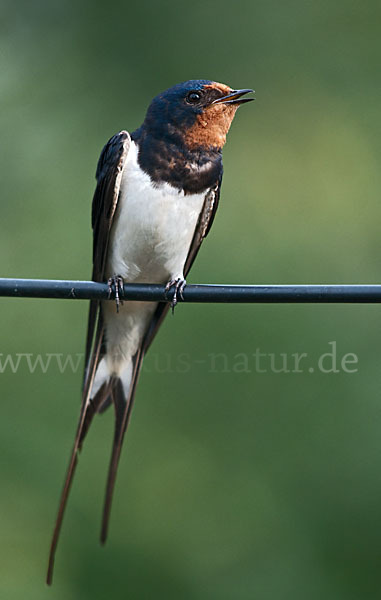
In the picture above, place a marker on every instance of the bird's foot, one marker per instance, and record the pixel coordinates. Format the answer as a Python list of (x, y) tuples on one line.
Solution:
[(178, 285), (118, 283)]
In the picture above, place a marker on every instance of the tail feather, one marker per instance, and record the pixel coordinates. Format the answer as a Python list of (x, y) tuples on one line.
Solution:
[(99, 391)]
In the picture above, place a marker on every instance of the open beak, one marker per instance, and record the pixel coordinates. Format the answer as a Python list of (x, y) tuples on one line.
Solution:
[(234, 97)]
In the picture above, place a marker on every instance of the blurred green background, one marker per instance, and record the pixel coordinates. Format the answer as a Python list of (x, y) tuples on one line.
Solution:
[(233, 483)]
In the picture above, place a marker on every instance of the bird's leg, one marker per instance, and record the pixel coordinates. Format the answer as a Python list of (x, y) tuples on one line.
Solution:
[(118, 282), (178, 284)]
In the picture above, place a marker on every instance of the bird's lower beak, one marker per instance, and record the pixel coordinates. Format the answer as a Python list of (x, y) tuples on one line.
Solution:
[(234, 97)]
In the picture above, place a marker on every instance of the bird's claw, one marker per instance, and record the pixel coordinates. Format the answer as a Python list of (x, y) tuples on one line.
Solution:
[(118, 283), (178, 285)]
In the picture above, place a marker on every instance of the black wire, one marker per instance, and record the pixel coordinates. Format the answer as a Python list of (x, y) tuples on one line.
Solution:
[(86, 290)]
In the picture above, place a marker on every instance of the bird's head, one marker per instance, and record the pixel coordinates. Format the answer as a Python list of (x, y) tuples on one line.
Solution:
[(196, 113)]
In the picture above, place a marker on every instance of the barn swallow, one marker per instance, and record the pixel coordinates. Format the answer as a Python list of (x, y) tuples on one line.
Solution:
[(156, 197)]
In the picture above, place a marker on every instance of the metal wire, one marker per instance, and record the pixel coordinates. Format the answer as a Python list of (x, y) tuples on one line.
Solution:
[(87, 290)]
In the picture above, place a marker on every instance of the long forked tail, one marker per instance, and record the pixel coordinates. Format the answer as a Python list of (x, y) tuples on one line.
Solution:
[(111, 389)]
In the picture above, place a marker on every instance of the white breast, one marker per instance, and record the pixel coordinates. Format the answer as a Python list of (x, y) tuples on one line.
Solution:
[(153, 227)]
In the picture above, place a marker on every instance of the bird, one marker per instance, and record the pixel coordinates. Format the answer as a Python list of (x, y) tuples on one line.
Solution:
[(155, 200)]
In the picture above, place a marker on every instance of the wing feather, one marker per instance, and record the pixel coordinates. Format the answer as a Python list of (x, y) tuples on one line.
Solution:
[(109, 176)]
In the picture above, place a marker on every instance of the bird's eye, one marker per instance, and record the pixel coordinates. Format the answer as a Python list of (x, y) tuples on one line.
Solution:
[(193, 97)]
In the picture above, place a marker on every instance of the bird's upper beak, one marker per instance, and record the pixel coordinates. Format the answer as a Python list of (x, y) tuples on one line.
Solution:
[(234, 97)]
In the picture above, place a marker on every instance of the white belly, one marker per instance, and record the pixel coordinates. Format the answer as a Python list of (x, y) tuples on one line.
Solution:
[(150, 241), (153, 227)]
